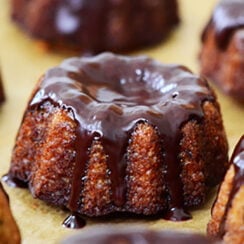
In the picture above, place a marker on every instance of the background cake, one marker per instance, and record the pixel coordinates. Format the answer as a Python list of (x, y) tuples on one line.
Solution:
[(98, 25), (9, 232), (135, 235), (227, 220)]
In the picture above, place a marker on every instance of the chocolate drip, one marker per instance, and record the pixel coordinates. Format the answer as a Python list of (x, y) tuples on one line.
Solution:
[(108, 96), (74, 221), (237, 160), (3, 191), (117, 169), (83, 141), (174, 184), (227, 17)]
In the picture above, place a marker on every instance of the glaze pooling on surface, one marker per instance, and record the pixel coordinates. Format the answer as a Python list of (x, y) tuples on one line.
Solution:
[(108, 95), (237, 160), (227, 17)]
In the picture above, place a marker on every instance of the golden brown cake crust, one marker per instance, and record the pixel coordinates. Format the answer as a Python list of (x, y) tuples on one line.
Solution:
[(9, 232)]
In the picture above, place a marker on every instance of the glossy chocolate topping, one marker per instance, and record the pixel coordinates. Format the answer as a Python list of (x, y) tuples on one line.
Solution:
[(108, 95), (135, 236), (74, 221), (227, 17), (237, 160)]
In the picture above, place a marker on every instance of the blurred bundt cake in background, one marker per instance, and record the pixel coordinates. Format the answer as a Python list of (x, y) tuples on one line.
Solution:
[(98, 25), (222, 54)]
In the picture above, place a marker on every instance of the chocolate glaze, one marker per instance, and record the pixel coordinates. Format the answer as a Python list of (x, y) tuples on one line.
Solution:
[(237, 160), (227, 17), (135, 235), (108, 95)]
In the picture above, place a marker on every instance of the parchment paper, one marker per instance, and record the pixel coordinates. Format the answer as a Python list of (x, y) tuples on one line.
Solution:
[(22, 61)]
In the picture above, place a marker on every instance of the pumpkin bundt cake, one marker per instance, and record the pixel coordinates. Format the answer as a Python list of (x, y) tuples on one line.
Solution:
[(134, 235), (9, 232), (98, 25), (227, 220), (222, 55), (112, 133)]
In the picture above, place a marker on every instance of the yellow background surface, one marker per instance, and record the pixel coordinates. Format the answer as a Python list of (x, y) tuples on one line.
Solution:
[(22, 62)]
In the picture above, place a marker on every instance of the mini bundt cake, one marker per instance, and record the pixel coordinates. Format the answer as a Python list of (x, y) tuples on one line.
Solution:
[(227, 220), (112, 133), (9, 232), (222, 55), (134, 235), (98, 25)]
